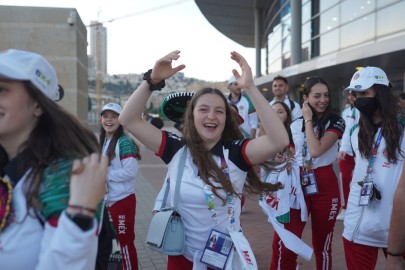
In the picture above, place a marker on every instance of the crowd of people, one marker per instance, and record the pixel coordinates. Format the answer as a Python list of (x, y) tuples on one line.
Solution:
[(66, 193)]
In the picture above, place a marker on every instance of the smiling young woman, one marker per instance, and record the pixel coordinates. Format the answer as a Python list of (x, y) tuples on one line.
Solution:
[(315, 138), (52, 179), (219, 159)]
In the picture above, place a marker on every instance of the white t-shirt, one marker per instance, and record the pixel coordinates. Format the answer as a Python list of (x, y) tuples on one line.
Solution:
[(192, 204), (369, 225), (122, 171), (335, 124), (27, 244)]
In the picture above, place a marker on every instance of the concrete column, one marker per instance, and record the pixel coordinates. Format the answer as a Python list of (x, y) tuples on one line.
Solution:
[(295, 32), (258, 40)]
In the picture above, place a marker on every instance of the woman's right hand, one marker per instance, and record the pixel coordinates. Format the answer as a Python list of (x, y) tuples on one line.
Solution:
[(341, 155), (87, 183), (163, 67)]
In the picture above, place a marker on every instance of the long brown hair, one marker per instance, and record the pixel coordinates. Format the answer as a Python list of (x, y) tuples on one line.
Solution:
[(392, 130), (58, 135), (206, 165), (111, 147), (270, 165)]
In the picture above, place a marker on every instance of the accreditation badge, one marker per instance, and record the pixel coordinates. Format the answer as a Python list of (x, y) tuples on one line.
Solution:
[(366, 193), (217, 250), (309, 183)]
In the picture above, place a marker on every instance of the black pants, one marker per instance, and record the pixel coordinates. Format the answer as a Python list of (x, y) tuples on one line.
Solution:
[(104, 242)]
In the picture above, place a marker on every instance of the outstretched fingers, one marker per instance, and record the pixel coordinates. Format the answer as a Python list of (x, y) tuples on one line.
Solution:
[(163, 67), (246, 78)]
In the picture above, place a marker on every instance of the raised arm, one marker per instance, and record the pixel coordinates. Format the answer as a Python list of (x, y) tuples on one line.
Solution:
[(276, 137), (131, 115), (396, 236)]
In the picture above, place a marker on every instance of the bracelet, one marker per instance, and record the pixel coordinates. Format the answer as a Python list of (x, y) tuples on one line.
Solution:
[(306, 121), (82, 210), (395, 254), (152, 85), (84, 222)]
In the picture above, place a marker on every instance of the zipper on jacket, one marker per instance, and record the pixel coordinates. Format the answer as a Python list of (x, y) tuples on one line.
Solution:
[(355, 231)]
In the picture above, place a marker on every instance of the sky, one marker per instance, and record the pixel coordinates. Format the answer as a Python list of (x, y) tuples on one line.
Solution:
[(142, 31)]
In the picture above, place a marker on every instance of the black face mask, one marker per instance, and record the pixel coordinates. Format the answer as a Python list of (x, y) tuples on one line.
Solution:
[(366, 105)]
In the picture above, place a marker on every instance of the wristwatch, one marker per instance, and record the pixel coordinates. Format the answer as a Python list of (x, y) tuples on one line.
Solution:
[(152, 85), (83, 221)]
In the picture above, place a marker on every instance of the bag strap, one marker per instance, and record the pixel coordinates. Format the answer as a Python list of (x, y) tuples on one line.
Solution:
[(166, 193), (178, 182), (179, 176)]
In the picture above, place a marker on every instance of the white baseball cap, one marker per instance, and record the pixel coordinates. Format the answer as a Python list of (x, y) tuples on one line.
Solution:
[(232, 79), (111, 107), (366, 77), (28, 66)]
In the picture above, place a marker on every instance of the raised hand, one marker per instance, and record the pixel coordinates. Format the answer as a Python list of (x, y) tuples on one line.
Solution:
[(163, 67), (245, 80)]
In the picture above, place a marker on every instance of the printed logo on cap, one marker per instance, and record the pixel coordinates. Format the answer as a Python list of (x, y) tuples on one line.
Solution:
[(356, 76), (42, 76)]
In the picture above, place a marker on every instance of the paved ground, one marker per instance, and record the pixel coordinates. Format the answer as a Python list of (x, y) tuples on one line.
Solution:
[(257, 230)]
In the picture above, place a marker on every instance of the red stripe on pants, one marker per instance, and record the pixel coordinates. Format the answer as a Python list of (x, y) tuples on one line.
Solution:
[(123, 216), (323, 208)]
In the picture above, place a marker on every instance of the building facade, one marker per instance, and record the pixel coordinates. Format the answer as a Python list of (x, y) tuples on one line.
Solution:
[(327, 38), (98, 48), (61, 37)]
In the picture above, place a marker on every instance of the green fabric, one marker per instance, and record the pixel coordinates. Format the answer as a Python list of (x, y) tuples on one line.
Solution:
[(251, 107), (54, 191), (127, 147), (285, 218)]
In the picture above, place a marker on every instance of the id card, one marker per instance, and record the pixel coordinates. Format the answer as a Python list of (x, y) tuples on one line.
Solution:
[(309, 183), (217, 250), (366, 193)]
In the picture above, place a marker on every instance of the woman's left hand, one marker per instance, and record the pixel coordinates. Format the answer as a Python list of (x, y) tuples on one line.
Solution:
[(245, 80), (163, 67), (306, 111)]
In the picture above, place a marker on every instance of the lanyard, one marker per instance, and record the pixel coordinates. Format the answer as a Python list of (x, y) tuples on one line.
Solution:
[(307, 164), (209, 197), (372, 159), (353, 113)]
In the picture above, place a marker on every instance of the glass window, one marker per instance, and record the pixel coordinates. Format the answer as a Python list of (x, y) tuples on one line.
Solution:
[(325, 4), (329, 19), (306, 51), (306, 12), (351, 10), (274, 58), (274, 37), (391, 19), (330, 42), (383, 3), (306, 32), (286, 25), (286, 45), (357, 31), (275, 66)]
